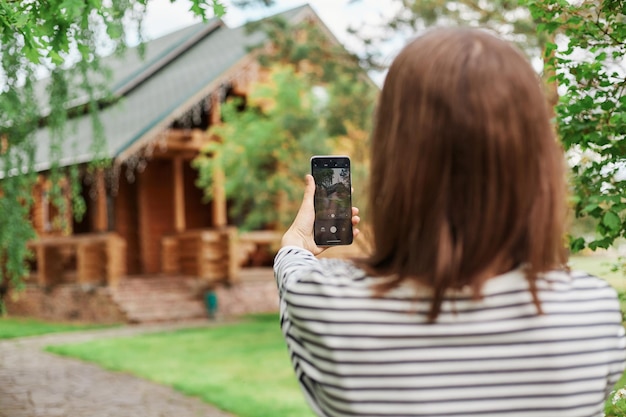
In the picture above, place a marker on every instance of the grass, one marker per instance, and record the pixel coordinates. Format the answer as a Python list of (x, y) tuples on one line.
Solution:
[(241, 368), (600, 266), (12, 327)]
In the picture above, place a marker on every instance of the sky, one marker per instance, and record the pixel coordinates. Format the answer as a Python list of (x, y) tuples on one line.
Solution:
[(164, 17)]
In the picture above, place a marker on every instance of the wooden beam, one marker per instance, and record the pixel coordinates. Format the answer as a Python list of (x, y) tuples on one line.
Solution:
[(101, 223), (170, 154), (42, 265), (179, 195), (220, 218), (233, 254), (186, 140), (216, 109), (37, 210)]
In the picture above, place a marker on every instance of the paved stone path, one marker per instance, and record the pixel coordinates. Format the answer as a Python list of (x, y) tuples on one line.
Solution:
[(34, 383)]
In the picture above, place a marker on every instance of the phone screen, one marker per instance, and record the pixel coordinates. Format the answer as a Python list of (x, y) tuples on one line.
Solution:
[(333, 200)]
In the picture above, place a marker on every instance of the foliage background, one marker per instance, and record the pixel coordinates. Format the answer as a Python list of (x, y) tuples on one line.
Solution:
[(315, 100), (587, 58)]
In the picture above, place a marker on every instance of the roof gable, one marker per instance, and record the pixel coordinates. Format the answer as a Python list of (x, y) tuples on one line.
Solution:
[(179, 69)]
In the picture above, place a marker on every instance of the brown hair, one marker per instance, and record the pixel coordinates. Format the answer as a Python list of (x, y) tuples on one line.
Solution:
[(467, 178)]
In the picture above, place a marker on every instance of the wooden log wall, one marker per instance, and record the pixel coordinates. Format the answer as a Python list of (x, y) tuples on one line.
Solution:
[(213, 257), (47, 219), (155, 211), (85, 259), (206, 254), (92, 268), (127, 221), (101, 217), (38, 211), (116, 251), (170, 258), (198, 213)]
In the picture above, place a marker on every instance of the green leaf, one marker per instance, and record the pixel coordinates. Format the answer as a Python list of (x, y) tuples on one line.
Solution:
[(577, 244), (20, 21), (56, 58), (218, 8), (589, 208), (32, 54), (612, 221), (72, 8), (115, 30), (600, 244), (197, 8), (549, 48)]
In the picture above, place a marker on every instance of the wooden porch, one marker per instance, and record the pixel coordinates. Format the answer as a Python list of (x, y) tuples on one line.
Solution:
[(98, 259), (214, 255), (210, 256)]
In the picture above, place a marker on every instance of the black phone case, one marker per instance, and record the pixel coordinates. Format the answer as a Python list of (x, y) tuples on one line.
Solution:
[(333, 200)]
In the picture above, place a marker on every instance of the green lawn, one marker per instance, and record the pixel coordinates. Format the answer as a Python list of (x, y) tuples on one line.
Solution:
[(241, 368), (11, 327), (600, 266)]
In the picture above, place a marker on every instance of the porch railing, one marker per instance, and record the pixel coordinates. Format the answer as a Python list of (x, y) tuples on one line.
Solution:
[(85, 259), (211, 254)]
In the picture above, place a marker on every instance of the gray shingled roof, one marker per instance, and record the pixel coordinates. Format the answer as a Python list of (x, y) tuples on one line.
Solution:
[(176, 72)]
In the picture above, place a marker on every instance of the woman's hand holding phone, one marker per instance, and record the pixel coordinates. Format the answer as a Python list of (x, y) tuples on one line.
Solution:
[(300, 233)]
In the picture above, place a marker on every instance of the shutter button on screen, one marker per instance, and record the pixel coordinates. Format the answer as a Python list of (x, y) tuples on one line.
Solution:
[(333, 229)]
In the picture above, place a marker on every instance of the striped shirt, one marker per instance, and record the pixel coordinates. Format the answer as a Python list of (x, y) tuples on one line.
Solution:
[(357, 355)]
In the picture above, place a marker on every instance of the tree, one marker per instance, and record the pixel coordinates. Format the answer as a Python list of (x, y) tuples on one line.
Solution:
[(263, 149), (316, 99), (509, 18), (588, 60), (63, 39)]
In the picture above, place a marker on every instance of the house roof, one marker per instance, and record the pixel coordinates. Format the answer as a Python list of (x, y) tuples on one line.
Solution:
[(177, 72)]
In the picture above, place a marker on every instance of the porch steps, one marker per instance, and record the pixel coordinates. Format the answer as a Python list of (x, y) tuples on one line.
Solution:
[(154, 299)]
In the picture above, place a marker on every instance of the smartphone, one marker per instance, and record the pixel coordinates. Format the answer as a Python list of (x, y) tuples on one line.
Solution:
[(333, 200)]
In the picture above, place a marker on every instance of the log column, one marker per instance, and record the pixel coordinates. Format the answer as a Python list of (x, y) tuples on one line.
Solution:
[(101, 220), (219, 198), (179, 196), (220, 218)]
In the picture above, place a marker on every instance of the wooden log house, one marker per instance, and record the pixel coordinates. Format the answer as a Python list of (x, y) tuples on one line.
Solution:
[(145, 216)]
